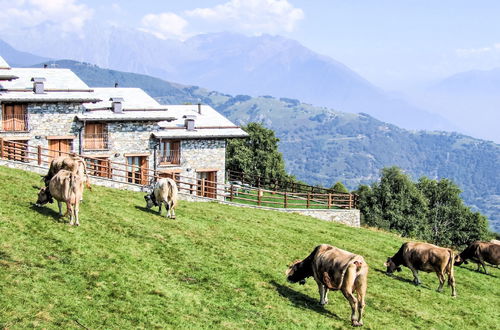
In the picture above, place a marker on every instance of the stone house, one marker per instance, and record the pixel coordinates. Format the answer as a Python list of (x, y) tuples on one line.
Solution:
[(54, 109)]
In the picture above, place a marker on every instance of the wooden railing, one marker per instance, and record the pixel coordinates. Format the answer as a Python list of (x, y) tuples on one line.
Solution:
[(132, 174)]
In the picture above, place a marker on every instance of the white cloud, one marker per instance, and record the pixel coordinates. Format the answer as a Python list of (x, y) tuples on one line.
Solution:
[(164, 25), (67, 15), (467, 52), (244, 16)]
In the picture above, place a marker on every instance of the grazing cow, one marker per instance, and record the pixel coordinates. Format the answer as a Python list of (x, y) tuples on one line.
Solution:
[(164, 191), (65, 187), (425, 257), (479, 252), (334, 269), (73, 164)]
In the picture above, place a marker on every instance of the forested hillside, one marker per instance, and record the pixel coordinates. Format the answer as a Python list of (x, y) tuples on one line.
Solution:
[(322, 146)]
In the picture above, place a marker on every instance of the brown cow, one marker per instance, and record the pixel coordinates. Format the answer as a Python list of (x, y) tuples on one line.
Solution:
[(479, 252), (334, 269), (425, 257), (73, 164), (65, 187)]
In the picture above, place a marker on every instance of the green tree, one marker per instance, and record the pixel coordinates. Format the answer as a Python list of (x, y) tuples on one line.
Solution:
[(339, 187), (449, 221), (257, 155), (399, 203)]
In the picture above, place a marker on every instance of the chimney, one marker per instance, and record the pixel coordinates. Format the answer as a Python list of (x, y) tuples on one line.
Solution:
[(199, 108), (116, 104), (189, 122), (38, 87)]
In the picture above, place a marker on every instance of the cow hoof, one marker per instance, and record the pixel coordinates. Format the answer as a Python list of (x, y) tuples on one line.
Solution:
[(357, 324)]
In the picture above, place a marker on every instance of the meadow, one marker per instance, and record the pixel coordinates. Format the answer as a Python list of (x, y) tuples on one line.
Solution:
[(215, 266)]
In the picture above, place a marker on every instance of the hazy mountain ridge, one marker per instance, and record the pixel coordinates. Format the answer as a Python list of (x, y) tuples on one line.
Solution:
[(234, 64), (467, 99), (321, 145)]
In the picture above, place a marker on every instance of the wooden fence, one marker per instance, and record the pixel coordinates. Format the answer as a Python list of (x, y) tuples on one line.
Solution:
[(136, 175)]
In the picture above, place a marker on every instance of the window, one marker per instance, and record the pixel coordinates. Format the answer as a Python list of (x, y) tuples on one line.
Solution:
[(99, 166), (14, 117), (137, 169), (16, 150), (95, 136), (170, 152)]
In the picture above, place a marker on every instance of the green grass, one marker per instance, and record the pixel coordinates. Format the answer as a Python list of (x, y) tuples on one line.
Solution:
[(216, 266)]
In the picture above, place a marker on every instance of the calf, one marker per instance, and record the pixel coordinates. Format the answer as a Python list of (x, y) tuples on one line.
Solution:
[(425, 257), (479, 252), (65, 187), (164, 192), (334, 269)]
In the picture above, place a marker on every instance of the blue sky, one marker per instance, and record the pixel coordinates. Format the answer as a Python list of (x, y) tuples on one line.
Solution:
[(395, 44)]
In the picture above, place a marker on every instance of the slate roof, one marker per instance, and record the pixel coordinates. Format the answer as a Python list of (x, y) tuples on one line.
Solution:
[(4, 64), (133, 99)]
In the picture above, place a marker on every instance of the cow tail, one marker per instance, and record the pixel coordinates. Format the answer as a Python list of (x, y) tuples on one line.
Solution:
[(449, 267)]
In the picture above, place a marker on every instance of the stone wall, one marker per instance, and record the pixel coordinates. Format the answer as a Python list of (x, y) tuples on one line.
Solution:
[(49, 119)]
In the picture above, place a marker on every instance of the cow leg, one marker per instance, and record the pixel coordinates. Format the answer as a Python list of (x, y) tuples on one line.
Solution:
[(167, 206), (76, 209), (323, 300), (451, 282), (172, 211), (440, 276), (416, 280), (348, 289), (71, 214), (360, 288), (59, 205), (159, 208), (481, 263)]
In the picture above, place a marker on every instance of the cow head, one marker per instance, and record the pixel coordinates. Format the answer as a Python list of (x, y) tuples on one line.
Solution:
[(391, 266), (44, 197), (459, 260), (150, 200), (295, 273)]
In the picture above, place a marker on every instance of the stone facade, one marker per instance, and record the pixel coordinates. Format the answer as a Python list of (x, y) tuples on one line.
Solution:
[(49, 120)]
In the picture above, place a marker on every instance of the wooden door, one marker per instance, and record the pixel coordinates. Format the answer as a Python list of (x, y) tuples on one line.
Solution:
[(137, 169), (207, 184), (59, 147)]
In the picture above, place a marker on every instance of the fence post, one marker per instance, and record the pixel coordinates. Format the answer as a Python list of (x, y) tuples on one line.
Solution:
[(231, 193), (329, 200), (350, 201), (259, 197), (39, 154), (308, 199), (286, 200), (1, 148)]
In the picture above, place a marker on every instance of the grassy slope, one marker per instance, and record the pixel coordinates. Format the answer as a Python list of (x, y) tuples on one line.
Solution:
[(215, 266)]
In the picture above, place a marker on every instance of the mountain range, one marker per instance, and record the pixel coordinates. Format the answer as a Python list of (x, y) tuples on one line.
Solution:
[(322, 146), (233, 64)]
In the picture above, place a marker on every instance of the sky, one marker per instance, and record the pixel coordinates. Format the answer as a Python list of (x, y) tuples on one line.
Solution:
[(395, 44)]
